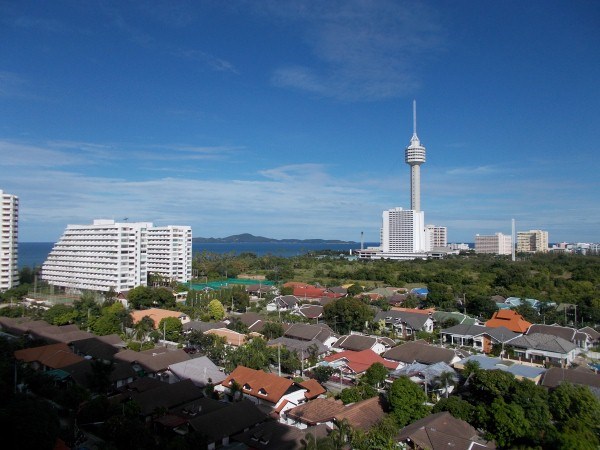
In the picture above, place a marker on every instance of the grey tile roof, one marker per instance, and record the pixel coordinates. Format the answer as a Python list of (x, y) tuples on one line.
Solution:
[(415, 321), (308, 332), (556, 375), (544, 342), (490, 363), (419, 352), (356, 342), (202, 326), (202, 371), (430, 372), (566, 333), (229, 420)]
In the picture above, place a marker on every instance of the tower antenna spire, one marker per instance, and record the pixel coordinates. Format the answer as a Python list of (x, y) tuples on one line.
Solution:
[(414, 117)]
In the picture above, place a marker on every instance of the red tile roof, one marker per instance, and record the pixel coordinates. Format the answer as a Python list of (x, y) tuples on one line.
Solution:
[(359, 362), (363, 415), (313, 388), (509, 319), (259, 384)]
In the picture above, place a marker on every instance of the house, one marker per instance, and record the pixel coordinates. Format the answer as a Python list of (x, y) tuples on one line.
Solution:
[(157, 314), (202, 371), (442, 431), (427, 375), (365, 414), (224, 420), (65, 333), (165, 397), (543, 349), (82, 373), (311, 312), (20, 326), (520, 371), (253, 321), (48, 357), (260, 290), (304, 349), (263, 388), (308, 332), (320, 411), (313, 389), (354, 363), (441, 317), (283, 303), (509, 319), (276, 435), (422, 352), (477, 336), (358, 342), (580, 376), (232, 338), (405, 323), (580, 338), (154, 362), (202, 327), (102, 348)]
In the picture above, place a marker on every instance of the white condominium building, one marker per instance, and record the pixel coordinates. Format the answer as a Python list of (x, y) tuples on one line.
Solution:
[(438, 236), (499, 244), (532, 241), (9, 234), (403, 232), (107, 254)]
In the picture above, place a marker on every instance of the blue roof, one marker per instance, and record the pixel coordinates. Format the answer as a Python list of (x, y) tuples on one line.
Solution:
[(420, 291)]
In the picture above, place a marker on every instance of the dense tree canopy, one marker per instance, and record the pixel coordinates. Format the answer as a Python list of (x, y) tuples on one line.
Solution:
[(347, 314)]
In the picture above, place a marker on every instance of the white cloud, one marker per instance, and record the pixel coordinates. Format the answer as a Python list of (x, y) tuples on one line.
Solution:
[(363, 50)]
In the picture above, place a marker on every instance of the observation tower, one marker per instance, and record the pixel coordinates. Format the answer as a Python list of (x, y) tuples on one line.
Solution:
[(414, 157)]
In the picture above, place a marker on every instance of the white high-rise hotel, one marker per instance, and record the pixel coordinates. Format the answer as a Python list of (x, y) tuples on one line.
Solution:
[(404, 234), (115, 255), (9, 234)]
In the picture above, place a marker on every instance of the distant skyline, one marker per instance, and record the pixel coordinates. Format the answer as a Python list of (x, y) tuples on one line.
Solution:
[(289, 119)]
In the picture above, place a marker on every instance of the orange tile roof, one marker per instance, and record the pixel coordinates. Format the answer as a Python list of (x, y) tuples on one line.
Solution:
[(233, 337), (509, 319), (360, 361), (55, 356), (155, 314), (259, 384)]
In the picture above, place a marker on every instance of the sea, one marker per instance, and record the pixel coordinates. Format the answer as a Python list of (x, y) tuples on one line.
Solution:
[(32, 254)]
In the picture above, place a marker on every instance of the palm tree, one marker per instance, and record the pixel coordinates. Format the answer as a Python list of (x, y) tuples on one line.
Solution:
[(446, 379)]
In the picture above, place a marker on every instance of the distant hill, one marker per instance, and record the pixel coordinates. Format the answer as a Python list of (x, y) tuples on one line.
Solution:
[(246, 237)]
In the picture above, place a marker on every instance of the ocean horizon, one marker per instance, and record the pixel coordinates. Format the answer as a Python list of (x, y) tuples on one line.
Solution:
[(32, 254)]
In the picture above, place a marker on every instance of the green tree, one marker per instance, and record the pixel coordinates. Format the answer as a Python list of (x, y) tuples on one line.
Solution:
[(140, 297), (505, 422), (60, 315), (355, 289), (272, 330), (459, 408), (322, 373), (170, 328), (216, 310), (347, 314), (375, 375), (445, 380), (574, 407), (407, 401)]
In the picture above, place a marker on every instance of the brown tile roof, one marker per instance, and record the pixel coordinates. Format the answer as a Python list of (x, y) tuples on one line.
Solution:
[(356, 342), (95, 348), (156, 314), (313, 388), (259, 384), (276, 435), (442, 431), (55, 356), (154, 360), (422, 352), (65, 333), (364, 414), (509, 319), (556, 375), (317, 411), (21, 325)]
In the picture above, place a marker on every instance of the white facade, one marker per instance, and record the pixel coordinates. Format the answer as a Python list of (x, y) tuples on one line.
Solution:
[(9, 234), (403, 231), (499, 244), (115, 255), (532, 241), (438, 236), (170, 252), (415, 156)]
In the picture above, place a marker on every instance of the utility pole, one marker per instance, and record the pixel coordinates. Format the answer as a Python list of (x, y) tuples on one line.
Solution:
[(279, 359)]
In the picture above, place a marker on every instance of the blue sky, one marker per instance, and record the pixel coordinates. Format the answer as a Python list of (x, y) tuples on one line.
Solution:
[(290, 118)]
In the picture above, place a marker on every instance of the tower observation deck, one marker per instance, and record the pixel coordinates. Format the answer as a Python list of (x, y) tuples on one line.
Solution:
[(414, 157)]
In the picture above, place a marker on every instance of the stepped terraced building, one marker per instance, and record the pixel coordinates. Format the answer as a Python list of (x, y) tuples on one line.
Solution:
[(107, 254)]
